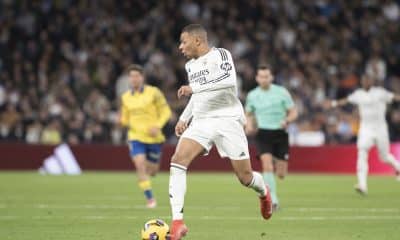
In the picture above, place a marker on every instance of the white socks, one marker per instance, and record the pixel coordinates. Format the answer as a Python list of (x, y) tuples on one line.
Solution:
[(258, 184), (362, 169), (177, 190)]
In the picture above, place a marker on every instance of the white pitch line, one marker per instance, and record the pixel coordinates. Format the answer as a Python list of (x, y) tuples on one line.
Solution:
[(344, 209), (344, 218), (229, 208), (107, 206), (211, 218)]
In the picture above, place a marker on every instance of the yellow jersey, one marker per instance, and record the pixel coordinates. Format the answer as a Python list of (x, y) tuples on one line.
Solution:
[(142, 110)]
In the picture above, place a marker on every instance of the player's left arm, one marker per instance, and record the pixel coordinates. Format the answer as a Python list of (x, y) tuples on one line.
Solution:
[(123, 114), (251, 122), (291, 116), (291, 110), (187, 90), (389, 96), (396, 98)]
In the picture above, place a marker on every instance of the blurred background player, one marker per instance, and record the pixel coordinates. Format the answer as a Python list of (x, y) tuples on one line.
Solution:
[(144, 111), (218, 118), (371, 101), (269, 110)]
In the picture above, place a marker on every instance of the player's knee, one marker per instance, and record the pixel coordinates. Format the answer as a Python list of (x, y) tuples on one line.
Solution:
[(152, 172), (385, 158), (178, 158), (280, 175), (268, 167), (245, 177)]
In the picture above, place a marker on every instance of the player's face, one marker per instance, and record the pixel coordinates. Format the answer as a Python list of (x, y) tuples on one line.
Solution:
[(136, 79), (366, 82), (264, 77), (187, 45)]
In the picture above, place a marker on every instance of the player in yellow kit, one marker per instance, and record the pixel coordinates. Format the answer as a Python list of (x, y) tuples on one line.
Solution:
[(144, 111)]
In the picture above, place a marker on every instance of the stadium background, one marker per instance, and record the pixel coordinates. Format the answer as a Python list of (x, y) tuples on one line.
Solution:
[(61, 71), (61, 62)]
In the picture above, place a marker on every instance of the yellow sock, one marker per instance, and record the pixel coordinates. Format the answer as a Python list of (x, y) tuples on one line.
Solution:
[(146, 187)]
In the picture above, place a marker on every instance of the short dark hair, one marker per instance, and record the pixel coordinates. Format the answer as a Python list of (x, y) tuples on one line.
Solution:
[(194, 27), (135, 67), (264, 66), (196, 30)]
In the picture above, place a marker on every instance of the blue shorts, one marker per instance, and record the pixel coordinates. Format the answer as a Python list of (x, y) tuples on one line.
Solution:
[(152, 151)]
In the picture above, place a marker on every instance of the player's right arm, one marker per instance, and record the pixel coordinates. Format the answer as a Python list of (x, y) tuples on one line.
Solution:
[(184, 119), (251, 123), (123, 114), (353, 98), (337, 103)]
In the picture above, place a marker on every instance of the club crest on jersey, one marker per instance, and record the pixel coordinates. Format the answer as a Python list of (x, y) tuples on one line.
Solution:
[(226, 66)]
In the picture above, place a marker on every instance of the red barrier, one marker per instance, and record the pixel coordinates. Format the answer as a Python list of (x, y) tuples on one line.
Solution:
[(327, 159)]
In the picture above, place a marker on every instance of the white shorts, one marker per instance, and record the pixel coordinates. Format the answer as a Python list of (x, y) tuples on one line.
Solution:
[(374, 136), (226, 133)]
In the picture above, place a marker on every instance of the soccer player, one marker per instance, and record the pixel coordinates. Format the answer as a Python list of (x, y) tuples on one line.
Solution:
[(270, 108), (371, 101), (217, 118), (144, 111)]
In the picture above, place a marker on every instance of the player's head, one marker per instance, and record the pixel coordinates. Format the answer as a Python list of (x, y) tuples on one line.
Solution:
[(193, 40), (136, 75), (264, 76), (367, 81)]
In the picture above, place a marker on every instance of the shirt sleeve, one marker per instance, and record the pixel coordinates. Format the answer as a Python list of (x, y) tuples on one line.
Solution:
[(164, 112), (353, 98), (124, 114), (387, 96), (287, 99), (188, 112), (222, 72), (249, 106)]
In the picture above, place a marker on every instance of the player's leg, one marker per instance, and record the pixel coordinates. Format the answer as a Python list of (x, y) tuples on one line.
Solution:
[(364, 143), (232, 143), (138, 156), (264, 148), (281, 168), (255, 181), (383, 145), (153, 153), (281, 154), (267, 166), (152, 168), (186, 150)]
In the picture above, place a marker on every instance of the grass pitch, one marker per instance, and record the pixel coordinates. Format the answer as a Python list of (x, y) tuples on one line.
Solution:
[(97, 206)]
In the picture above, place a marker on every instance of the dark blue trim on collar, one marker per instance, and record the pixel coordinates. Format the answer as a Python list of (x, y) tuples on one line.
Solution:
[(140, 90)]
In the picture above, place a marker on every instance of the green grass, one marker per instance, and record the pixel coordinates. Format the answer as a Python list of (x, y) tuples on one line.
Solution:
[(110, 206)]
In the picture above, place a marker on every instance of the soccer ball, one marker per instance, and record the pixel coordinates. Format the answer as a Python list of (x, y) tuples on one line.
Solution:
[(155, 229)]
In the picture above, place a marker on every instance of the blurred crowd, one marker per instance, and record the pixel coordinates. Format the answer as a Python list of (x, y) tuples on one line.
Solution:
[(62, 61)]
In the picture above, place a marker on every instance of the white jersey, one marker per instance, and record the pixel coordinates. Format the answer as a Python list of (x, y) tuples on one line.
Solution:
[(372, 106), (212, 78)]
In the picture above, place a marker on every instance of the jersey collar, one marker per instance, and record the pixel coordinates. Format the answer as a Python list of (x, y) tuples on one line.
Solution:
[(140, 90)]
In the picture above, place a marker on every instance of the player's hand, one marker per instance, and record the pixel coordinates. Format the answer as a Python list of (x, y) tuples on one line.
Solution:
[(154, 131), (180, 127), (284, 124), (185, 91), (250, 130), (327, 104)]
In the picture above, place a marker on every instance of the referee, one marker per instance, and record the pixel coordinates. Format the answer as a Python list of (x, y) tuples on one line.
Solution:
[(269, 110)]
